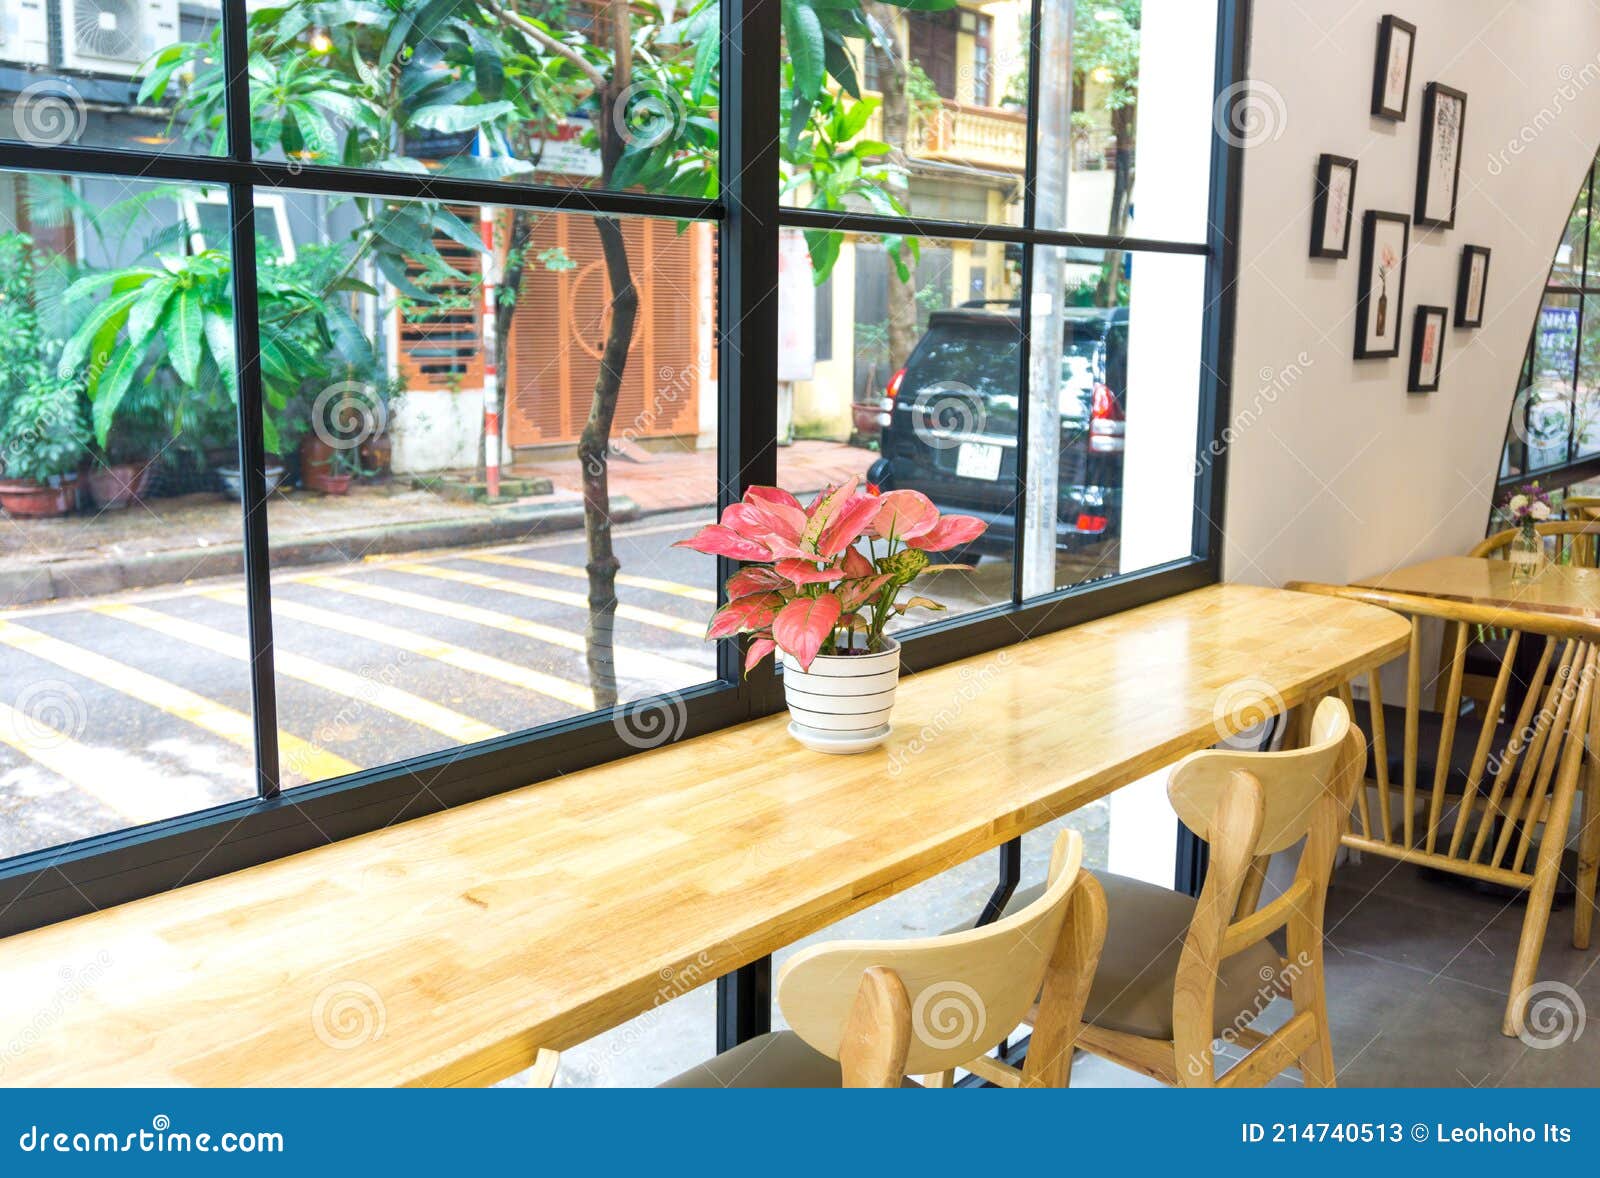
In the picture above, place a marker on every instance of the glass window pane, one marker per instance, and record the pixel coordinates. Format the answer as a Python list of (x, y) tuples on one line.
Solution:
[(1586, 430), (919, 393), (897, 111), (143, 75), (1133, 98), (1543, 410), (1115, 357), (123, 654), (530, 96), (450, 617)]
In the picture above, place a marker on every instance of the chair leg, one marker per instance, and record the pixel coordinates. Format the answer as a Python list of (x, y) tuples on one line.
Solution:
[(1310, 993), (1534, 925), (940, 1079), (1583, 907)]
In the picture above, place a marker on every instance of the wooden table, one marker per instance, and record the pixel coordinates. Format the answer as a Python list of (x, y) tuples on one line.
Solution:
[(448, 950), (1566, 591)]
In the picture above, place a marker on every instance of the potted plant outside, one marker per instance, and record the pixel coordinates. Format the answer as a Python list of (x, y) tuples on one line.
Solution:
[(820, 586), (41, 450)]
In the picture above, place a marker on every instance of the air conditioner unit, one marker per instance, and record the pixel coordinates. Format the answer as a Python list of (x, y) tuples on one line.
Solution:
[(115, 36), (25, 32)]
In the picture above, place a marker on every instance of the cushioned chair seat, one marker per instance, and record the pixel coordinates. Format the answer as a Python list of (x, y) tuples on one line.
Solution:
[(1145, 928), (778, 1060), (1430, 725)]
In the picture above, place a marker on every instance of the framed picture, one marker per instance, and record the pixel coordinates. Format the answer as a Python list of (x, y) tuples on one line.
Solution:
[(1333, 207), (1471, 284), (1381, 295), (1427, 349), (1391, 75), (1444, 120)]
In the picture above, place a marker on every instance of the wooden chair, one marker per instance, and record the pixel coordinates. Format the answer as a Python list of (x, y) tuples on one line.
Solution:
[(1581, 507), (1178, 974), (867, 1014), (1462, 787), (1576, 541)]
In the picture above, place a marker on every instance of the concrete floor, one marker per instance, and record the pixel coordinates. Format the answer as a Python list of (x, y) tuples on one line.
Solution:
[(1418, 973)]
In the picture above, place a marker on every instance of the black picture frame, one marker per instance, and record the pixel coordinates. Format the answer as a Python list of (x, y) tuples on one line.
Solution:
[(1381, 106), (1327, 166), (1463, 307), (1433, 95), (1369, 309), (1423, 376)]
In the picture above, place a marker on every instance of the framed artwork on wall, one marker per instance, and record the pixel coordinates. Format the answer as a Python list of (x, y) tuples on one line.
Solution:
[(1333, 207), (1427, 349), (1471, 285), (1391, 75), (1380, 296), (1444, 121)]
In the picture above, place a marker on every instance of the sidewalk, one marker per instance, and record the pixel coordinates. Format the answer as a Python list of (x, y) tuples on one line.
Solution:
[(168, 541), (673, 481)]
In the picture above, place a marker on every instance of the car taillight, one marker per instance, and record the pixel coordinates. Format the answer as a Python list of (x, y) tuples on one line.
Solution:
[(874, 489), (894, 383), (1106, 425)]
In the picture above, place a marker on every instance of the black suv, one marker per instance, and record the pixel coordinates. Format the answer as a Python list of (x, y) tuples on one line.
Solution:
[(952, 431)]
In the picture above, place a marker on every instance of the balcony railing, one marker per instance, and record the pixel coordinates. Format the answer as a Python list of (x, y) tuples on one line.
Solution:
[(979, 136)]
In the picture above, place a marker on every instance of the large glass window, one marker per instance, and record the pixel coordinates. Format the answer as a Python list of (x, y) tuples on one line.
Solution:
[(346, 458)]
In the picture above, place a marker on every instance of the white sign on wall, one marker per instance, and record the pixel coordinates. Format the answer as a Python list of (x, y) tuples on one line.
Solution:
[(797, 309)]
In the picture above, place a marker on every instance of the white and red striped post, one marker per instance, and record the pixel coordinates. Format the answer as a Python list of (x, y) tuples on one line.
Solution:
[(491, 375)]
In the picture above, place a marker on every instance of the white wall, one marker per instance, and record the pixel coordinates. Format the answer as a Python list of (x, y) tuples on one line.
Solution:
[(1335, 471)]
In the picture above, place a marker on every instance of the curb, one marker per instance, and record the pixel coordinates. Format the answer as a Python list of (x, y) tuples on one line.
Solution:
[(93, 576)]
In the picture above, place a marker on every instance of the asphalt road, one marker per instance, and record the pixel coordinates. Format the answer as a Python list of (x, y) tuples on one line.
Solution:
[(124, 710)]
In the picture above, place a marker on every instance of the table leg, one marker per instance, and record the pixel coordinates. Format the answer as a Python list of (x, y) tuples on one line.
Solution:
[(1010, 874), (744, 1004)]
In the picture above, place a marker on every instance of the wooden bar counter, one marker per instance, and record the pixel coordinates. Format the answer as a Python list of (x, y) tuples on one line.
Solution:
[(448, 950)]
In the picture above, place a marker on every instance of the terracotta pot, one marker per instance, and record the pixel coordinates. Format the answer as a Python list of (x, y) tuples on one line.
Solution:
[(116, 486), (24, 497), (233, 481), (316, 468), (377, 455)]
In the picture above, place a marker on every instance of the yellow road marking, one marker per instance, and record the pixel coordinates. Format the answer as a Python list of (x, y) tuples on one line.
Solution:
[(112, 777), (648, 617), (577, 571), (363, 689), (656, 669), (430, 648), (232, 726)]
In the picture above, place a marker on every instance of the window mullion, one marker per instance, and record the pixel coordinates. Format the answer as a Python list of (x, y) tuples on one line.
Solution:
[(247, 373)]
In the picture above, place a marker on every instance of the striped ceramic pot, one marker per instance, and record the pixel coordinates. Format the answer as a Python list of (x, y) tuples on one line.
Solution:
[(842, 704)]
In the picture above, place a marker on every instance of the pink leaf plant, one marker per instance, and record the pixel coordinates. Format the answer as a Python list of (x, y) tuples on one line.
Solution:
[(817, 575)]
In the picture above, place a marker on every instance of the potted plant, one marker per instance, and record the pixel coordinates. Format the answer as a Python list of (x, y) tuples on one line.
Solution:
[(820, 586), (41, 448)]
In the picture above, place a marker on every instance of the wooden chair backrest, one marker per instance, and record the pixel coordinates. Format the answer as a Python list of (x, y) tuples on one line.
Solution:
[(1242, 814), (1577, 542), (1581, 507), (964, 991), (1291, 781), (1511, 777)]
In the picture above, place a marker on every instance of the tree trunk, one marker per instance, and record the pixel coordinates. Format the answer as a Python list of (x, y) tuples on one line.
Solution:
[(593, 455), (514, 262), (897, 134), (1122, 125)]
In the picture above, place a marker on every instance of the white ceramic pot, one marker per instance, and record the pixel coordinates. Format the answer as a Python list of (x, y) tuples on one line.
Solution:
[(842, 704)]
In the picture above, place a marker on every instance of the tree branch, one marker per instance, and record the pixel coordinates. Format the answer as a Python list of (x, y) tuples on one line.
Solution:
[(560, 48)]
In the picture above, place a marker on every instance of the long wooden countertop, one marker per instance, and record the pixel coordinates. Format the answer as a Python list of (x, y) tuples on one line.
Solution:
[(447, 950)]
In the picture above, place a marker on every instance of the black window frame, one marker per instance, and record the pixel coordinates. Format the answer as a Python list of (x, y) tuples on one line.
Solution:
[(51, 885)]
